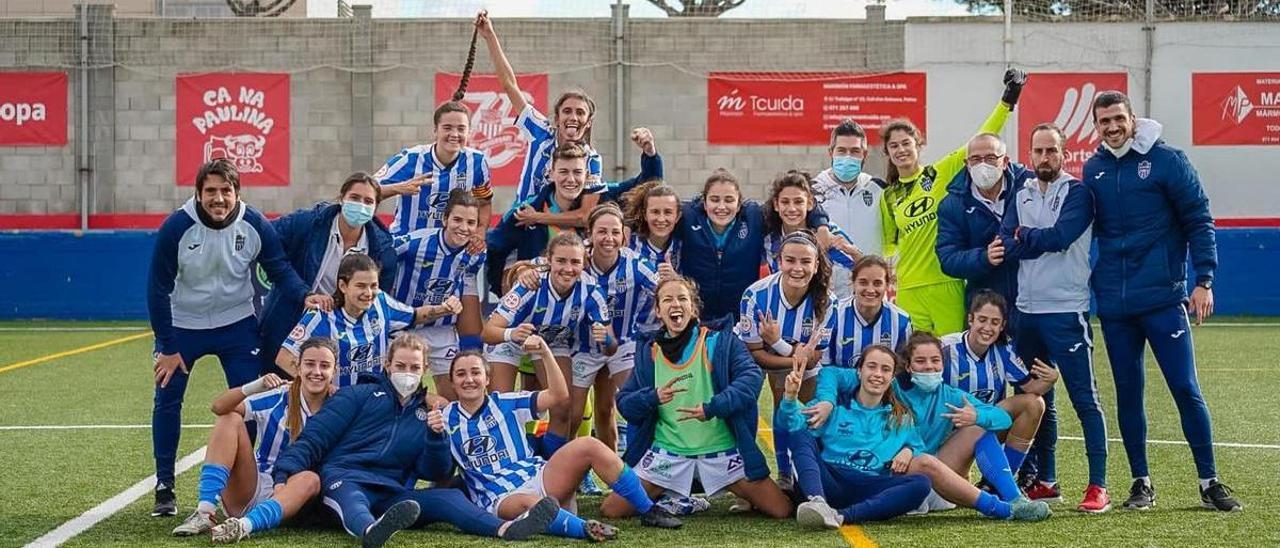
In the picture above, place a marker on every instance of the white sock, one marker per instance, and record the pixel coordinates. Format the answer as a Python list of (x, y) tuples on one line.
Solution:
[(207, 508), (1204, 483), (248, 525)]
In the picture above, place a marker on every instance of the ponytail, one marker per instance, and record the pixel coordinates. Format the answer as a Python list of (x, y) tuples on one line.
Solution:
[(455, 103), (293, 409), (899, 413), (819, 287)]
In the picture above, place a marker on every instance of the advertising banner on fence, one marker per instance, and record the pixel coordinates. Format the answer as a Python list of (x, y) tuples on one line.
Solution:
[(746, 108), (1235, 108), (33, 108), (493, 120), (240, 116), (1066, 100)]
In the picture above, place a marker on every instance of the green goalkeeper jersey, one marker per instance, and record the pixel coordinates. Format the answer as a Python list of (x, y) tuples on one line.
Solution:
[(909, 212)]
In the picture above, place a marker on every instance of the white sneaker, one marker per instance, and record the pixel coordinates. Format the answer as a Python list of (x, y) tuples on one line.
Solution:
[(740, 505), (817, 514), (231, 531), (937, 503), (196, 524)]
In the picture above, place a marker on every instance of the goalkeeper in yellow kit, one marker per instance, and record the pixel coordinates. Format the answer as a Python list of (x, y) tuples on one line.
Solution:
[(909, 213)]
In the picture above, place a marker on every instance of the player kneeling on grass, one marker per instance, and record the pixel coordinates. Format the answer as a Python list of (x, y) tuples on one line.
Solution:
[(851, 466), (240, 476), (486, 434), (691, 410), (368, 444)]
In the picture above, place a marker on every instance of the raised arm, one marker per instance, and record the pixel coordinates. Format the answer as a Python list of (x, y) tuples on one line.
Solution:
[(506, 75)]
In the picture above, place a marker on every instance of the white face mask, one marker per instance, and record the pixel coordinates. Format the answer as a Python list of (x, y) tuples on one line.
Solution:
[(406, 383), (984, 175)]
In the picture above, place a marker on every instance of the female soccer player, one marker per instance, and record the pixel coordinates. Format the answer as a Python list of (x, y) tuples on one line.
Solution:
[(981, 361), (856, 461), (240, 476), (721, 238), (691, 411), (653, 214), (866, 318), (954, 427), (486, 436), (370, 442), (574, 111), (436, 264), (423, 176), (787, 210), (568, 310), (787, 317), (909, 216), (362, 321)]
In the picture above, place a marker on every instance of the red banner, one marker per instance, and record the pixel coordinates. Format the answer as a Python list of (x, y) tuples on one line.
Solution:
[(1235, 108), (33, 108), (1066, 100), (493, 121), (746, 108), (243, 117)]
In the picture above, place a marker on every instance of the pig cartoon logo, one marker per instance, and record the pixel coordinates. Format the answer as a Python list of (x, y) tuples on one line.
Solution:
[(242, 150)]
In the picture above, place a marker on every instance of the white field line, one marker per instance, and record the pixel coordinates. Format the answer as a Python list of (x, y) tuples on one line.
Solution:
[(90, 427), (70, 329)]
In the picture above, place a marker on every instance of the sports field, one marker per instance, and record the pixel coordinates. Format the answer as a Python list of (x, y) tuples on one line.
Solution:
[(75, 436)]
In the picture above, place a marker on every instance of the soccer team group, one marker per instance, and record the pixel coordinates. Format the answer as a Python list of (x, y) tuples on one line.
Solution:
[(624, 298)]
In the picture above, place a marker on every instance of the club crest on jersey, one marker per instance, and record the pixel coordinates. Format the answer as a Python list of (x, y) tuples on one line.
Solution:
[(1144, 169), (511, 300), (926, 182), (742, 232), (421, 414), (297, 333), (239, 242), (490, 422), (381, 173), (867, 197), (886, 338), (744, 325)]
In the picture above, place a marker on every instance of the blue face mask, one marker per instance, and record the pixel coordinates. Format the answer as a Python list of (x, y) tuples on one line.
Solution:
[(929, 382), (846, 168), (356, 213)]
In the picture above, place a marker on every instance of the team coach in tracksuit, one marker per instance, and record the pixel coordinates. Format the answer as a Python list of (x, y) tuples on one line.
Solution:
[(1151, 209)]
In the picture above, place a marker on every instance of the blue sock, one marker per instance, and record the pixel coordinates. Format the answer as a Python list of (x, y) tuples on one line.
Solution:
[(781, 443), (213, 479), (470, 342), (993, 507), (567, 525), (628, 487), (265, 516), (1015, 457), (551, 443), (995, 469)]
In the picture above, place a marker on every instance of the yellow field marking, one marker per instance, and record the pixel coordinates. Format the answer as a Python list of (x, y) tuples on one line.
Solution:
[(857, 537), (73, 352), (766, 435)]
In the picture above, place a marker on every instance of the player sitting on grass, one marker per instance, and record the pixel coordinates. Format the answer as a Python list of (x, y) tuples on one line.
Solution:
[(240, 476)]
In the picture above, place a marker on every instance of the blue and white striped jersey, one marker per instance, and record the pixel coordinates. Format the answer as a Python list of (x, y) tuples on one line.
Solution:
[(671, 254), (537, 129), (562, 321), (984, 377), (773, 244), (490, 445), (628, 288), (797, 323), (362, 342), (852, 334), (431, 271), (469, 171), (268, 411)]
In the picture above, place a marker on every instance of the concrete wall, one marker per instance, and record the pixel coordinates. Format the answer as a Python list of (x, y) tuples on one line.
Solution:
[(965, 63)]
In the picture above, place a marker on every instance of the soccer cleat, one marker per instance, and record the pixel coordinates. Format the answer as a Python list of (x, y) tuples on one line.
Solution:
[(1142, 496), (817, 514), (166, 502), (195, 524), (1030, 510), (589, 487), (1044, 491), (1096, 500), (398, 517), (938, 504), (600, 532), (231, 531), (1219, 497), (679, 505), (533, 521), (657, 517)]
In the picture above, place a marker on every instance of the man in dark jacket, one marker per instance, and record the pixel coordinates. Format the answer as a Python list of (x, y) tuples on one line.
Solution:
[(315, 241), (1152, 211), (969, 246)]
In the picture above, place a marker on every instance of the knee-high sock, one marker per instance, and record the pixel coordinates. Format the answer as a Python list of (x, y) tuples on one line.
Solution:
[(567, 525), (992, 507), (1015, 457), (629, 487), (995, 468), (781, 445), (213, 479), (265, 516)]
